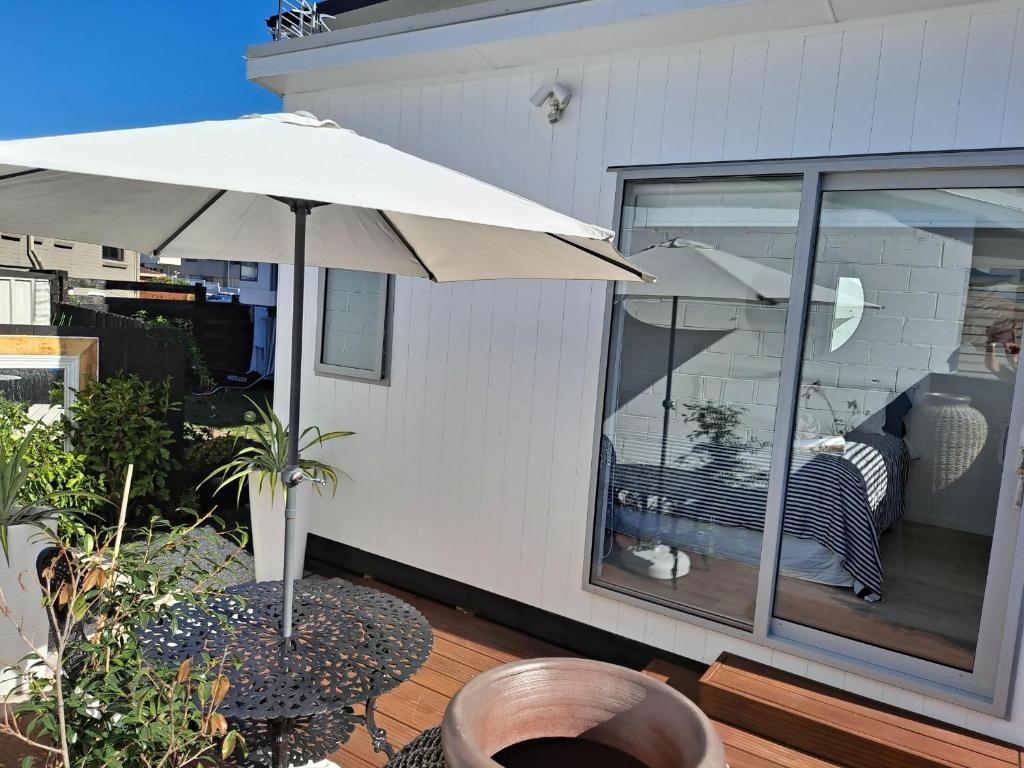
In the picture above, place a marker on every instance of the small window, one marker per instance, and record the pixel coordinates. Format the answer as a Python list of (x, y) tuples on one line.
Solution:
[(113, 254), (248, 271), (352, 337), (63, 246), (12, 238)]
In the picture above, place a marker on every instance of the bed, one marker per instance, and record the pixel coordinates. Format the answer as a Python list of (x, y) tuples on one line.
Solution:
[(712, 500)]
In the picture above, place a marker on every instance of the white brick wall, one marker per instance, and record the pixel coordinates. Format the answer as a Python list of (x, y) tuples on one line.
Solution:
[(918, 282)]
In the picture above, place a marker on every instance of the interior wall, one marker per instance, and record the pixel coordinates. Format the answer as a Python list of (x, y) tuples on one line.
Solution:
[(476, 462)]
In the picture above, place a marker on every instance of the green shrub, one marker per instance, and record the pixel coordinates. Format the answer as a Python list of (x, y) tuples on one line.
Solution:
[(52, 470), (99, 698), (123, 420)]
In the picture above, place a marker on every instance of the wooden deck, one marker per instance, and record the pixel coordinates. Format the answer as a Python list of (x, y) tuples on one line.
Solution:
[(465, 645)]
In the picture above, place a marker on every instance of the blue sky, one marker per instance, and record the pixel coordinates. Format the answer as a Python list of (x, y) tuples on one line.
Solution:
[(68, 66)]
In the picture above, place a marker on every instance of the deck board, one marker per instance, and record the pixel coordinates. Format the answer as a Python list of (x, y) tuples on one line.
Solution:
[(465, 645)]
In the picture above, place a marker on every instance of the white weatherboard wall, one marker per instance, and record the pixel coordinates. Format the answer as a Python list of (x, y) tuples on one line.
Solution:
[(476, 462)]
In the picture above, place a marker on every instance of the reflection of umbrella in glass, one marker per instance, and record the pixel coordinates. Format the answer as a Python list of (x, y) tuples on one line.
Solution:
[(690, 269)]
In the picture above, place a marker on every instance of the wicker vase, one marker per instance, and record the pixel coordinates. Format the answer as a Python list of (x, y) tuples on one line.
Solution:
[(950, 433), (577, 699)]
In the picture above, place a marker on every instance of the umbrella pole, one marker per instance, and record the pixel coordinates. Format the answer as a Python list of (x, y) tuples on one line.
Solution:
[(292, 475), (668, 404)]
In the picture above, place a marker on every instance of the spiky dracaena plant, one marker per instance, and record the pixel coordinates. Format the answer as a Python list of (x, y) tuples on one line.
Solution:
[(266, 454), (15, 475)]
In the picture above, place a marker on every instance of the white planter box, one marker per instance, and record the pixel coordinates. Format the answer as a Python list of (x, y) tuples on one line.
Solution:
[(23, 599), (267, 518)]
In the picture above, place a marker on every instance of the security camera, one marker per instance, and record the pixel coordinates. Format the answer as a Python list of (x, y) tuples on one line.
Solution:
[(557, 96)]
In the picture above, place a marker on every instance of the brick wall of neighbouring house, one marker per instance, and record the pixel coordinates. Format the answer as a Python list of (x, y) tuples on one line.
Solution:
[(77, 259)]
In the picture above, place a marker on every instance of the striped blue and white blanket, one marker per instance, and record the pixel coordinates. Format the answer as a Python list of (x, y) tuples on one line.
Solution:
[(843, 501)]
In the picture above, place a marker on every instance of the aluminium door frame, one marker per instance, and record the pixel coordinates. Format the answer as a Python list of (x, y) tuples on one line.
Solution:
[(987, 690)]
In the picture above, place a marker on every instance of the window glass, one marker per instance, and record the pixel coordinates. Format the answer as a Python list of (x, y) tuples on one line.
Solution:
[(112, 254), (248, 271), (353, 327), (909, 363), (692, 389)]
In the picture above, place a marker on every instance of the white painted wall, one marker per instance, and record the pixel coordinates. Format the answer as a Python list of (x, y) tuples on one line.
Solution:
[(24, 300), (475, 463)]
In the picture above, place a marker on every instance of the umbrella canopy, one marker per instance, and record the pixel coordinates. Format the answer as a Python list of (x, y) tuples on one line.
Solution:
[(290, 189), (690, 269), (213, 190)]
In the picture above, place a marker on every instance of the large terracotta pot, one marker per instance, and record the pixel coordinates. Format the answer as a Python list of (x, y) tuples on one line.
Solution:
[(577, 698)]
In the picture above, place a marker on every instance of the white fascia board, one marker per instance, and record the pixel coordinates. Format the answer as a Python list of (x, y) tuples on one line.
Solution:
[(572, 32), (575, 30)]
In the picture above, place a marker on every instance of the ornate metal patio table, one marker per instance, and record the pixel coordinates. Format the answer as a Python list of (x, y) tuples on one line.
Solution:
[(350, 644)]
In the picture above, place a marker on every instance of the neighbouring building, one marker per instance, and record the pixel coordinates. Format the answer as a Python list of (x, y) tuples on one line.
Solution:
[(254, 282), (802, 443), (96, 262)]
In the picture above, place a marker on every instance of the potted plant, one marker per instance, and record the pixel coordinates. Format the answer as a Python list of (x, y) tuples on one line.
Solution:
[(258, 464), (100, 698), (23, 534)]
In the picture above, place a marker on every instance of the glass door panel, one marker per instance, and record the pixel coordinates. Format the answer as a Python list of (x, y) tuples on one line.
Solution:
[(692, 388), (909, 366)]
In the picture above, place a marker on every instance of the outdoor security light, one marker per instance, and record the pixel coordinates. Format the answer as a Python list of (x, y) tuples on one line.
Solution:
[(557, 96)]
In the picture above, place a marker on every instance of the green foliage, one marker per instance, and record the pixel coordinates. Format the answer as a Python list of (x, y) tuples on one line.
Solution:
[(715, 421), (98, 700), (14, 476), (37, 474), (214, 451), (196, 356), (719, 424), (266, 454), (842, 422), (122, 420), (54, 471)]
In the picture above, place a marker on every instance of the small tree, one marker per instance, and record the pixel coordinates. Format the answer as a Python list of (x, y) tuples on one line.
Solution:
[(98, 699)]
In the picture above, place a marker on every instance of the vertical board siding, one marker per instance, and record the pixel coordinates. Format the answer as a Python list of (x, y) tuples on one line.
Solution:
[(475, 461), (938, 91), (1013, 113), (816, 98), (856, 91), (986, 74), (743, 119), (899, 69)]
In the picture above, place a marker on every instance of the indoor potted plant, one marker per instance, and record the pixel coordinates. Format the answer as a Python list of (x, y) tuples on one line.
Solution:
[(259, 464)]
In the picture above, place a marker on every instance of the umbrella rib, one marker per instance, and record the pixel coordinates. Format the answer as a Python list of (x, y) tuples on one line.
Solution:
[(624, 266), (190, 221), (21, 173), (407, 244)]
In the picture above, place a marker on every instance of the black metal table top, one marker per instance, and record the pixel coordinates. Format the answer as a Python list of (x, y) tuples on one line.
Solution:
[(349, 644)]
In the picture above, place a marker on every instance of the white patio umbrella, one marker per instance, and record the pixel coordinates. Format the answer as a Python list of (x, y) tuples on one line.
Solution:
[(245, 189)]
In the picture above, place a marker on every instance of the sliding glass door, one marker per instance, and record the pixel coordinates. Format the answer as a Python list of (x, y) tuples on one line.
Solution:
[(690, 422), (812, 421), (899, 463)]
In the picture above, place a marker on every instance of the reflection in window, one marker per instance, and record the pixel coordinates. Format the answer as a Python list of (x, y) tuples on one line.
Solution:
[(692, 387), (903, 415), (353, 323)]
